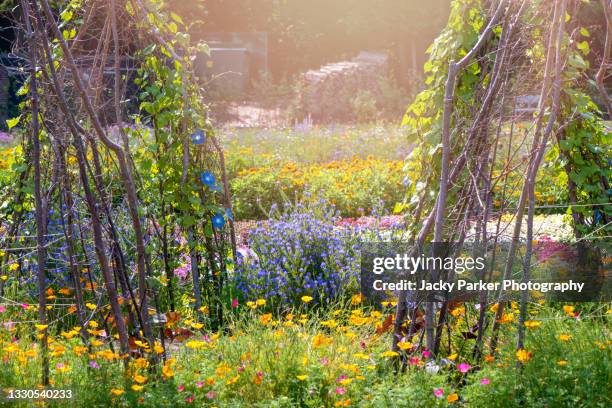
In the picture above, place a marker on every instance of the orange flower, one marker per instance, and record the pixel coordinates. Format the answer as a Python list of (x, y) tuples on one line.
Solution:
[(453, 397), (523, 355)]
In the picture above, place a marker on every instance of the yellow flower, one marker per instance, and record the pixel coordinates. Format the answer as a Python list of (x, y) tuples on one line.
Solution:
[(329, 323), (260, 302), (458, 311), (452, 357), (404, 345), (195, 344), (96, 343), (321, 340), (506, 318), (78, 350), (158, 348), (302, 377), (4, 277), (41, 327), (13, 267), (453, 397), (140, 379), (141, 363), (523, 355), (568, 309), (137, 387), (11, 348), (265, 318), (90, 306), (562, 362), (222, 370), (233, 380), (390, 353), (357, 299), (307, 299), (197, 326), (93, 324), (116, 391), (531, 324), (565, 337)]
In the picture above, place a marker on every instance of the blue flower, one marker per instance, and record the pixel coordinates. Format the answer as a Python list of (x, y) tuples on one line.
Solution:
[(207, 178), (229, 215), (198, 138), (218, 221)]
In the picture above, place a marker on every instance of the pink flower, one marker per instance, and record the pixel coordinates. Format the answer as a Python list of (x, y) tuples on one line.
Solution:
[(94, 364), (324, 361), (362, 344), (240, 369), (235, 303), (414, 360), (189, 399), (438, 392), (200, 384), (181, 388), (485, 381), (426, 354), (24, 306), (463, 367), (2, 309), (211, 395), (340, 391), (341, 378)]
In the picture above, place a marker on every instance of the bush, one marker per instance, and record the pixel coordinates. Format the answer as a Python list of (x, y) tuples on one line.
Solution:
[(354, 186), (300, 253)]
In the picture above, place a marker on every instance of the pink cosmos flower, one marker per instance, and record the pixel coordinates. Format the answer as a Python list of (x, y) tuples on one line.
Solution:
[(485, 381), (426, 354), (2, 309), (235, 303), (463, 367), (181, 388), (414, 360), (438, 392), (24, 306), (200, 384), (340, 391), (189, 399)]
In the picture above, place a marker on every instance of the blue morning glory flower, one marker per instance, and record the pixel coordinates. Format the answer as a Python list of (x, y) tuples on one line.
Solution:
[(229, 215), (198, 137), (218, 221), (207, 178)]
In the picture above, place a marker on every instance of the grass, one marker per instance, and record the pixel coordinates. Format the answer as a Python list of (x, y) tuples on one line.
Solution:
[(321, 144)]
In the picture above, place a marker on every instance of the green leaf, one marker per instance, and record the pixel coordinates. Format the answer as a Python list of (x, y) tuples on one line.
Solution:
[(584, 47), (176, 18), (11, 123), (66, 15)]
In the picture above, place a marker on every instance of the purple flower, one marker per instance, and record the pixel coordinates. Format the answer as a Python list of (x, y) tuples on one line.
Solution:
[(94, 364)]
